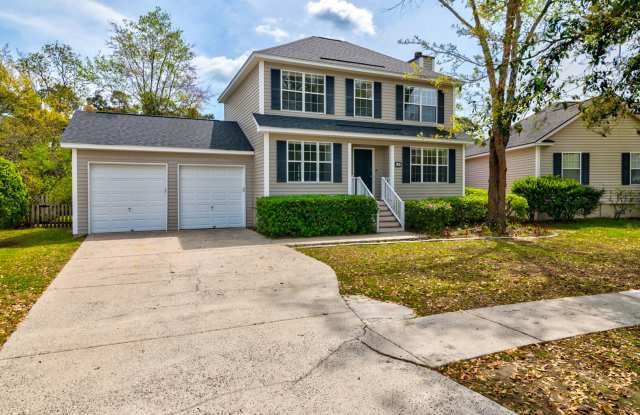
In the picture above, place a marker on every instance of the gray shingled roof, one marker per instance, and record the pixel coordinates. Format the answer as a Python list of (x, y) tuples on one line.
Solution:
[(346, 126), (104, 128), (342, 53), (535, 127)]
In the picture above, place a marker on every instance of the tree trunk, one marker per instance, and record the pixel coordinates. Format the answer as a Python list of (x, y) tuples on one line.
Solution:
[(497, 219)]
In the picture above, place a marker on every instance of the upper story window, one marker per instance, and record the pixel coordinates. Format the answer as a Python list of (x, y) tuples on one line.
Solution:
[(429, 165), (635, 168), (363, 98), (420, 104), (302, 92), (571, 166), (309, 161)]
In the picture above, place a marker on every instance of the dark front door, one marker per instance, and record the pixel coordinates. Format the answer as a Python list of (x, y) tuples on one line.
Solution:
[(363, 166)]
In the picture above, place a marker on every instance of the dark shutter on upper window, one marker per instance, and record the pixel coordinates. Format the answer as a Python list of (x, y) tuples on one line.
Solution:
[(406, 165), (348, 105), (584, 169), (281, 160), (557, 164), (337, 163), (275, 89), (440, 107), (626, 169), (330, 94), (452, 165), (399, 102), (377, 99)]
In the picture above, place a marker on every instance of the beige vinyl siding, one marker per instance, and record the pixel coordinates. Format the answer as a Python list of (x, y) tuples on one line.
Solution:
[(381, 163), (605, 152), (172, 160), (388, 95), (410, 191), (240, 107), (520, 163)]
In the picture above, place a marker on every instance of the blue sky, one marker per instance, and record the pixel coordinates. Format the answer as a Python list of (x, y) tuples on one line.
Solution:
[(225, 32)]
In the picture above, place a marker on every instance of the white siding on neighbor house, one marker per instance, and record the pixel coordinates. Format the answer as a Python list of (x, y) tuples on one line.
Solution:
[(84, 157), (520, 163), (605, 152), (388, 95), (405, 190), (240, 107)]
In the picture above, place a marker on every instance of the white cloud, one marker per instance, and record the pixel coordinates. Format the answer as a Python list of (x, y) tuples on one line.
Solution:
[(343, 14), (270, 28), (29, 21), (94, 10), (218, 68)]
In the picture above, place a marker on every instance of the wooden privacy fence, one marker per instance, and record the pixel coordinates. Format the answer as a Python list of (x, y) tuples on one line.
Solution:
[(50, 215)]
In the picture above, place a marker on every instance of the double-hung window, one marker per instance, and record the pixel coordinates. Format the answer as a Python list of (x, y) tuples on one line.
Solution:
[(571, 166), (302, 92), (429, 165), (420, 104), (635, 168), (309, 161), (363, 98)]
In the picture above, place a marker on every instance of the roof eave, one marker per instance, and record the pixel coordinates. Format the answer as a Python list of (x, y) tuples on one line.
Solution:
[(153, 149)]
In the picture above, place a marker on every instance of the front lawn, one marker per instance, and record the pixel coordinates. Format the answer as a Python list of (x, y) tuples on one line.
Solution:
[(589, 257), (29, 260), (592, 374)]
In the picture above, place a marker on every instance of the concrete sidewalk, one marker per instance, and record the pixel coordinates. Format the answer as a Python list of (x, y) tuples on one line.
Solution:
[(444, 338)]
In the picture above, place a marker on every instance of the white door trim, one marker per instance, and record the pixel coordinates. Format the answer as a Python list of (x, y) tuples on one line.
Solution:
[(128, 163), (373, 165), (244, 186)]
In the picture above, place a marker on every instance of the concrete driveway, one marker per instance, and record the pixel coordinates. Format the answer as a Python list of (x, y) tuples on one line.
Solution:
[(207, 322)]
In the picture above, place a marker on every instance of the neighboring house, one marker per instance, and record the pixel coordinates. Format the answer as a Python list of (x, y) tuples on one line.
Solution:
[(315, 116), (557, 142)]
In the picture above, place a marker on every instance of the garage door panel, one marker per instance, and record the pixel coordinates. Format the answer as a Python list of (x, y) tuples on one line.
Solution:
[(125, 197), (204, 187)]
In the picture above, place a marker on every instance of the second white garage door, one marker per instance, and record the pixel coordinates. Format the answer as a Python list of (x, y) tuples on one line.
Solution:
[(211, 197)]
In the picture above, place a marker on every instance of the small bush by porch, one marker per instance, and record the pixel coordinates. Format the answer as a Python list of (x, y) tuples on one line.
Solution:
[(316, 215)]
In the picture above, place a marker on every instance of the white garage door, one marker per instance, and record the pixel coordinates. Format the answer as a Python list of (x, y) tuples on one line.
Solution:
[(211, 197), (127, 197)]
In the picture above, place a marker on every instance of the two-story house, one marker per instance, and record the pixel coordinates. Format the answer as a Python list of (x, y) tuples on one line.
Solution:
[(314, 116)]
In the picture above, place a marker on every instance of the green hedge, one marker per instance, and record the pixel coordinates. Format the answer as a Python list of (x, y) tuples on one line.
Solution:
[(316, 215), (434, 215), (561, 199), (14, 201)]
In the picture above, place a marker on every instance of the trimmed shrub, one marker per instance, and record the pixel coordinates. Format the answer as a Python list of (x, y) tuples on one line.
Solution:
[(470, 208), (315, 215), (561, 199), (14, 201), (428, 215), (517, 207)]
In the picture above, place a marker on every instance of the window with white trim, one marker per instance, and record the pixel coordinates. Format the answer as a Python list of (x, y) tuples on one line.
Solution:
[(429, 165), (309, 161), (571, 166), (635, 168), (302, 92), (363, 98), (420, 104)]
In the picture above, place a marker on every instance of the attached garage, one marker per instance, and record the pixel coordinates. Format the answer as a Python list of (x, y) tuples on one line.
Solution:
[(211, 196), (127, 197), (151, 173)]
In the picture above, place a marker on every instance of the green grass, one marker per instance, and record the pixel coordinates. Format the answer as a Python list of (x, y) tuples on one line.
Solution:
[(29, 260), (592, 374), (588, 257)]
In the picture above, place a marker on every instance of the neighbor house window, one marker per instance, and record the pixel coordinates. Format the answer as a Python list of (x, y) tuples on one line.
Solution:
[(635, 168), (309, 161), (302, 92), (363, 98), (571, 166), (429, 165), (420, 104)]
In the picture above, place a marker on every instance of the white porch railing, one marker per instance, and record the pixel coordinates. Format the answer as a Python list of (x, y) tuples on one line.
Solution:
[(392, 200), (359, 188)]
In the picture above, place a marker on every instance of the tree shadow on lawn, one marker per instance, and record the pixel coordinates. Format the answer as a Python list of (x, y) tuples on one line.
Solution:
[(37, 237)]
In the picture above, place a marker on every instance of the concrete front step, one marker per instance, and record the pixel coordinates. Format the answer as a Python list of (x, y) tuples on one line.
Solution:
[(387, 222)]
